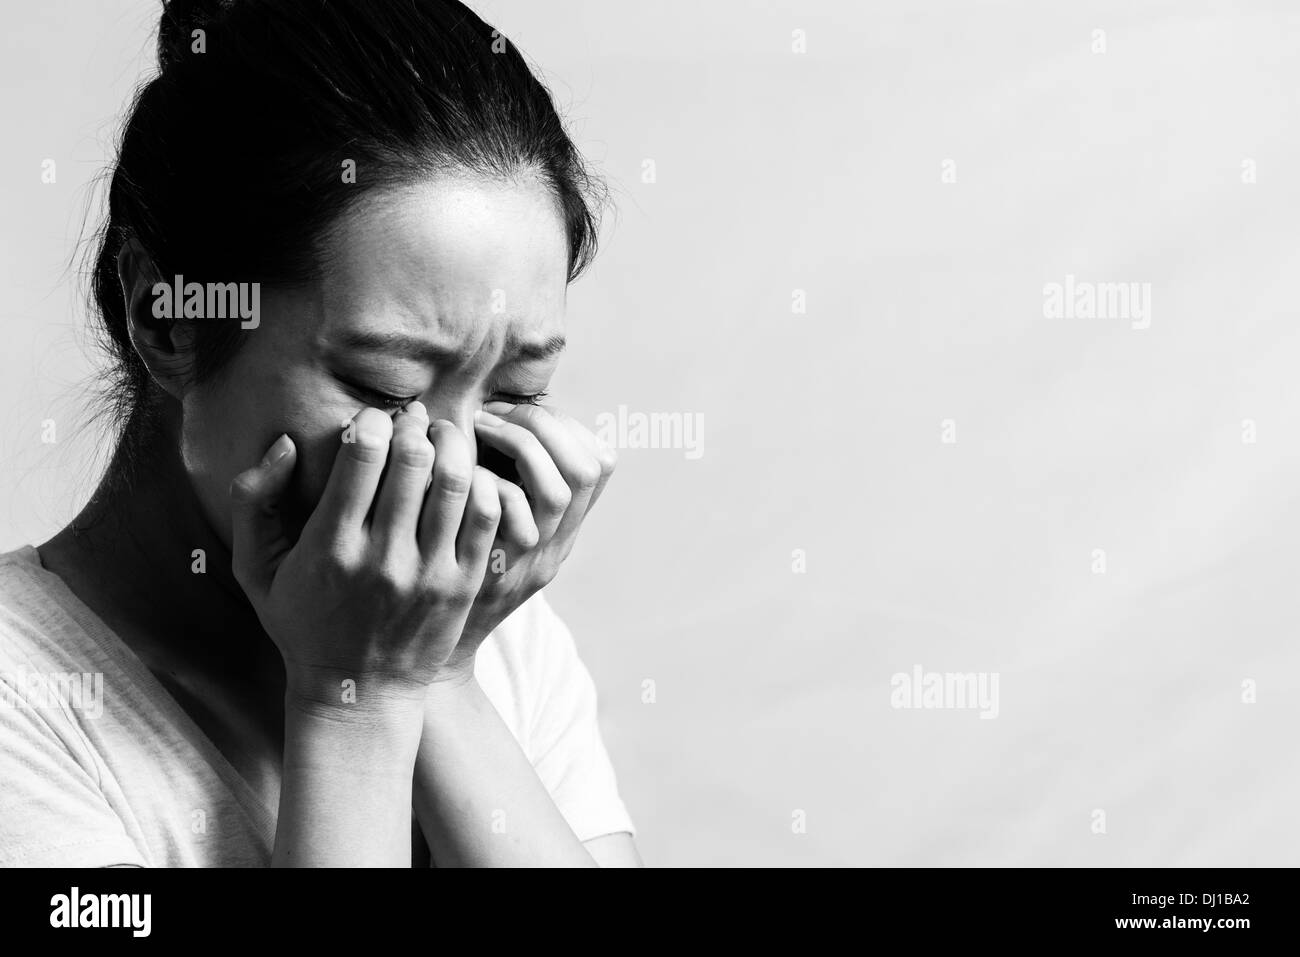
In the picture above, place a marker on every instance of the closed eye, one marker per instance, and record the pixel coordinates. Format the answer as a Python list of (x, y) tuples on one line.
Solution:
[(516, 398), (380, 400)]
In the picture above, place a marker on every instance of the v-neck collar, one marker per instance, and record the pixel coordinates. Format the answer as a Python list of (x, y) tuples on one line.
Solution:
[(148, 685)]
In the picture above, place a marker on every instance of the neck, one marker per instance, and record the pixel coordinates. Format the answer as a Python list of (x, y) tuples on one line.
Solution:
[(143, 556)]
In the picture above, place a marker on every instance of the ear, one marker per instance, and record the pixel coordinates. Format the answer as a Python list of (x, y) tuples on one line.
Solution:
[(165, 345)]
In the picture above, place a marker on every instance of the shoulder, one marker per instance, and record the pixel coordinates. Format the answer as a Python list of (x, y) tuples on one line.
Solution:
[(531, 670), (521, 659), (533, 637), (53, 811), (28, 613), (51, 674)]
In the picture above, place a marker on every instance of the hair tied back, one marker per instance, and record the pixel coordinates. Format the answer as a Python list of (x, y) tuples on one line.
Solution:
[(176, 27)]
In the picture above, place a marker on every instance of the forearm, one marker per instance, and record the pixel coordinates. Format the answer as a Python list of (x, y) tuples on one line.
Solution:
[(345, 793), (477, 798)]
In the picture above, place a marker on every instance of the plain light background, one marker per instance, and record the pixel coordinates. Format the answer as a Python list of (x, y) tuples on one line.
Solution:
[(821, 171)]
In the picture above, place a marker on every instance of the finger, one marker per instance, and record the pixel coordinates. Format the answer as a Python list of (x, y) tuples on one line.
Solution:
[(578, 466), (606, 458), (608, 462), (350, 490), (517, 532), (257, 530), (478, 526), (542, 482), (444, 505), (401, 494)]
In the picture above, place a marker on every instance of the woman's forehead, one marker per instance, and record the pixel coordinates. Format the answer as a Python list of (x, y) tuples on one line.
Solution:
[(452, 235), (439, 258), (457, 266)]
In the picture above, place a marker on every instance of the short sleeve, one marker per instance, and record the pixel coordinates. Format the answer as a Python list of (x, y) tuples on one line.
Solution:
[(565, 743), (52, 813)]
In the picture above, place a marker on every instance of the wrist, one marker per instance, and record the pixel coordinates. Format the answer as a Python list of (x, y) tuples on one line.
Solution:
[(328, 692), (451, 697), (374, 737)]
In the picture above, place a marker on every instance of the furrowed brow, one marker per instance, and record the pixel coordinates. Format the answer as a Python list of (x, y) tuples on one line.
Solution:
[(536, 351), (399, 343)]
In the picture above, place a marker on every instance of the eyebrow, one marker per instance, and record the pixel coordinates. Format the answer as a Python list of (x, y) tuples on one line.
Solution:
[(536, 351), (434, 354)]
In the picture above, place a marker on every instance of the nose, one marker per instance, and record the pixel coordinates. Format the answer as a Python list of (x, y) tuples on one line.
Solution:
[(458, 410)]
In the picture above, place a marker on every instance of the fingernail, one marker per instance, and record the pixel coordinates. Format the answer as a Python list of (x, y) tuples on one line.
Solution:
[(278, 450), (487, 418), (433, 427), (416, 407), (500, 408)]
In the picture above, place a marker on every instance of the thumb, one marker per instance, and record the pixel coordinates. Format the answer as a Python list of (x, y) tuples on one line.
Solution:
[(257, 530)]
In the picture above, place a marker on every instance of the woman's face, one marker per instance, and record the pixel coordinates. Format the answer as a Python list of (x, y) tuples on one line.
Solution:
[(451, 292)]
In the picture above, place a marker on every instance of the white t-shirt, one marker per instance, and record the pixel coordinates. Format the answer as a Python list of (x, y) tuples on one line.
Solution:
[(99, 764)]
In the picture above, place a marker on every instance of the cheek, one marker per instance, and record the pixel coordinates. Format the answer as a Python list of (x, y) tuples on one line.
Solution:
[(228, 432), (317, 440), (224, 432)]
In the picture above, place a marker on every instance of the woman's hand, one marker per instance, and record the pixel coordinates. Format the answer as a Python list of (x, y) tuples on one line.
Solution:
[(562, 469), (379, 584), (469, 760)]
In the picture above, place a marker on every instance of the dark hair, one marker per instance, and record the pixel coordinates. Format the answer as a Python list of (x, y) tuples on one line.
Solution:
[(231, 161)]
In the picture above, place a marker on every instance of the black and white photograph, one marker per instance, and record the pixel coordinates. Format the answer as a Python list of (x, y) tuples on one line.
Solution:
[(712, 434)]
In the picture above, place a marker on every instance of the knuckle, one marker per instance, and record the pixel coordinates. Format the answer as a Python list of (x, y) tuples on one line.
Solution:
[(452, 480), (243, 490), (486, 519), (558, 499), (608, 459), (512, 498), (369, 444), (393, 572), (587, 474), (485, 500), (411, 450), (339, 557), (517, 510)]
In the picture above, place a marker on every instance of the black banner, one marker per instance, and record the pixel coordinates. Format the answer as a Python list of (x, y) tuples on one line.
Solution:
[(1148, 907)]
